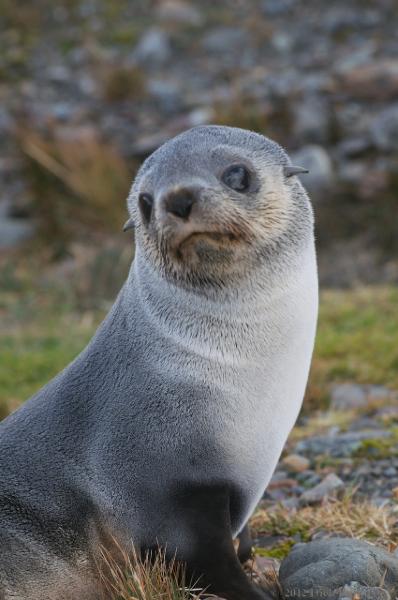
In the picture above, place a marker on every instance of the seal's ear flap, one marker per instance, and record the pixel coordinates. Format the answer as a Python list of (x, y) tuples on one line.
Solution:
[(290, 170), (129, 224)]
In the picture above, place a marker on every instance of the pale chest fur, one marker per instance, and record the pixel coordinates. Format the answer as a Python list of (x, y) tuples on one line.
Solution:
[(253, 358)]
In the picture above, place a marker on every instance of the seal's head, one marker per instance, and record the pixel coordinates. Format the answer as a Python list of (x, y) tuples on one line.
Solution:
[(214, 203)]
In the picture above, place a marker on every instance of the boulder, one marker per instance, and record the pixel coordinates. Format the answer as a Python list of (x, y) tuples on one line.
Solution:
[(338, 568)]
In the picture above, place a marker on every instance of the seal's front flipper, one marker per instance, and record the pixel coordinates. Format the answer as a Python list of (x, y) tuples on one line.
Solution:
[(245, 551), (211, 559)]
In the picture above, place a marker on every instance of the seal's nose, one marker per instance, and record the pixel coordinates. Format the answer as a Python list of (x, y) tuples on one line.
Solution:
[(179, 203)]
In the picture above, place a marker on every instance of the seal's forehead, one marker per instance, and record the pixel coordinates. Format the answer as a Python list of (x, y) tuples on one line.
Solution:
[(198, 148)]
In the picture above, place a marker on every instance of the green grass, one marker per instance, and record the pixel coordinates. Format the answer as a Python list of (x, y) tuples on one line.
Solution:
[(33, 353), (356, 340), (42, 331)]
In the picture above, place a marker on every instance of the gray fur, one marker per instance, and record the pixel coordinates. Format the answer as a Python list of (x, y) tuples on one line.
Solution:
[(188, 380)]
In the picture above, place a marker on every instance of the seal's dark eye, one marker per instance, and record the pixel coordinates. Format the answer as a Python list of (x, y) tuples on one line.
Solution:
[(236, 177), (145, 202)]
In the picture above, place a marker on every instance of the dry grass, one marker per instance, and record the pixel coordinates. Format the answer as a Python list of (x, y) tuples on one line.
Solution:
[(345, 516), (77, 179), (129, 577), (123, 83), (321, 423), (152, 578)]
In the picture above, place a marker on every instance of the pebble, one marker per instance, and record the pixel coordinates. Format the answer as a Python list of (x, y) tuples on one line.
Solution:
[(153, 48), (347, 395), (327, 488), (384, 129), (296, 463), (316, 159)]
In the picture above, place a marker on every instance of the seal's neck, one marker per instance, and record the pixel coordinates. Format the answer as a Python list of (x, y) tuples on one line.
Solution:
[(212, 326), (245, 298)]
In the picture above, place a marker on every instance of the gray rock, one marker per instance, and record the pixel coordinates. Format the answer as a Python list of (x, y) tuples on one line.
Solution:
[(347, 395), (14, 231), (326, 488), (341, 445), (316, 159), (338, 567), (167, 93), (355, 590), (153, 48), (296, 463), (274, 8), (175, 11), (354, 146), (225, 39), (6, 120), (352, 395), (312, 119), (384, 129)]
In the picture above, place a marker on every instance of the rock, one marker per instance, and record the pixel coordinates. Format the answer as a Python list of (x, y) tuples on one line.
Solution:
[(14, 231), (353, 147), (355, 591), (312, 119), (220, 38), (384, 129), (265, 564), (326, 488), (175, 11), (347, 395), (379, 392), (154, 48), (167, 93), (277, 7), (281, 483), (316, 159), (329, 569), (341, 445), (200, 116), (352, 395), (6, 121), (296, 463), (375, 80)]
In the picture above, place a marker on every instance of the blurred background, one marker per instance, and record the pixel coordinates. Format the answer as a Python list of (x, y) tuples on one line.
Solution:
[(89, 88)]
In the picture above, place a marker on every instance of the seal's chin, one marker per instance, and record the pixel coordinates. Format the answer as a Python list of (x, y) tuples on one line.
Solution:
[(212, 237), (204, 243)]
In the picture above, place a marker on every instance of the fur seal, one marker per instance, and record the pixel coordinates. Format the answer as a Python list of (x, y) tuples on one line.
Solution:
[(167, 427)]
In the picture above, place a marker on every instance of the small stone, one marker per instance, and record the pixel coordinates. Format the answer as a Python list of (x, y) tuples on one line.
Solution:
[(326, 488), (341, 445), (153, 48), (390, 472), (220, 38), (384, 129), (347, 395), (176, 11), (316, 159), (296, 463), (281, 483), (355, 591), (312, 119), (375, 80), (167, 94), (265, 564), (14, 232)]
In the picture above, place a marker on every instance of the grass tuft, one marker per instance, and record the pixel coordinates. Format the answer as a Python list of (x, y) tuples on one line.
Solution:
[(153, 578), (345, 517), (123, 83), (78, 183)]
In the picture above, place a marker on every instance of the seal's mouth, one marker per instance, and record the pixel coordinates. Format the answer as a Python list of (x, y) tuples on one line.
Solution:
[(213, 236)]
